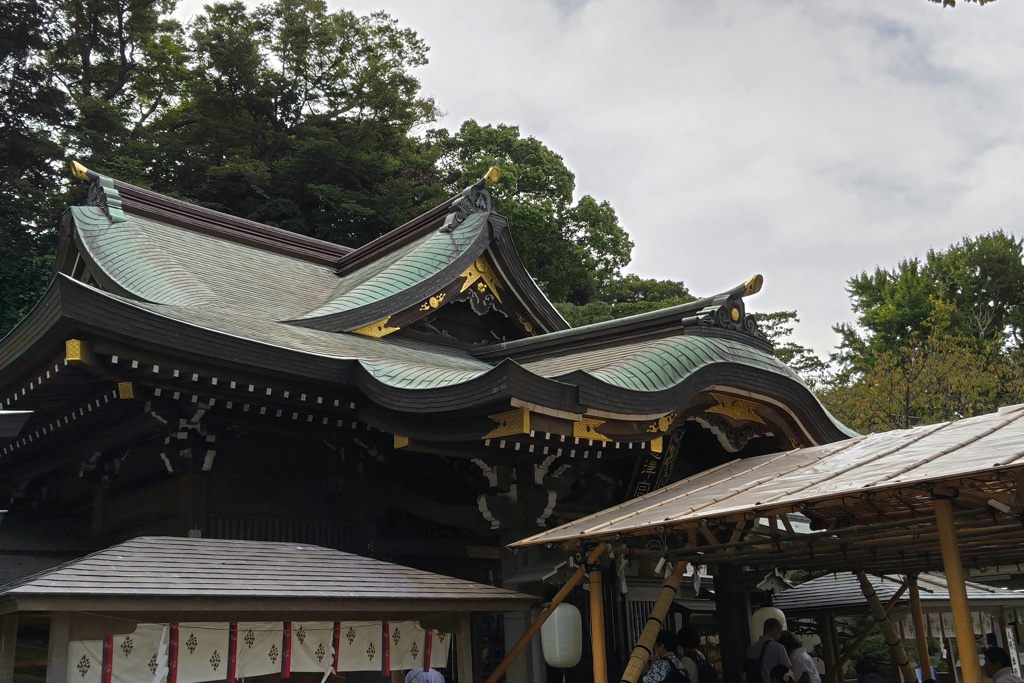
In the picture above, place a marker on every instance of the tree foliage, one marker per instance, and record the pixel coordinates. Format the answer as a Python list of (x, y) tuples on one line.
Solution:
[(934, 341)]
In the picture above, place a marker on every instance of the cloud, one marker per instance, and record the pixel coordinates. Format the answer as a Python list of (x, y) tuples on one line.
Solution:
[(806, 141)]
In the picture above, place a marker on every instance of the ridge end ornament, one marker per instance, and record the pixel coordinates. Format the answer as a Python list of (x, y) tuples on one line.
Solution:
[(587, 429), (737, 408), (376, 330), (516, 421), (474, 199)]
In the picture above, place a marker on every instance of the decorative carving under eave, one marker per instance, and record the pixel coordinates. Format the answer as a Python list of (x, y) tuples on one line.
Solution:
[(739, 409), (481, 271), (662, 424), (587, 429), (515, 421), (733, 438), (377, 330)]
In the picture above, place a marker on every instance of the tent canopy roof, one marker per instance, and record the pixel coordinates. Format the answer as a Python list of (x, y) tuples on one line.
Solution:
[(870, 499)]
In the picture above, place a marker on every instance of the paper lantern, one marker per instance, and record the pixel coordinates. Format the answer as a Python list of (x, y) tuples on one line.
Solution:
[(561, 637), (761, 615)]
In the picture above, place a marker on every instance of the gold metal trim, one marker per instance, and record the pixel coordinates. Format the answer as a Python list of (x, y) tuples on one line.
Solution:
[(753, 285), (481, 270), (516, 421), (658, 445), (125, 391), (662, 424), (378, 329), (401, 441), (433, 302), (736, 408), (77, 351), (492, 176), (587, 429), (79, 171)]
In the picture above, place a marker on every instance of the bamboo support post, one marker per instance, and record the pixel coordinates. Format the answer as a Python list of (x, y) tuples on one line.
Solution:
[(842, 658), (645, 645), (535, 626), (897, 654), (920, 628), (597, 638), (954, 569)]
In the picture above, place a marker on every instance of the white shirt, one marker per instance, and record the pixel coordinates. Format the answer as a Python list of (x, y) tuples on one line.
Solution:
[(418, 675), (804, 662), (1006, 675)]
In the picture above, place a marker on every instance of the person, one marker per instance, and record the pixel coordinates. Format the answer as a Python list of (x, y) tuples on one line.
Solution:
[(999, 667), (804, 668), (688, 639), (664, 650), (768, 651), (418, 675)]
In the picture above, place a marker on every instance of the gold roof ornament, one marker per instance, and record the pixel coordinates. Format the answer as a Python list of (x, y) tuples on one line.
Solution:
[(753, 285), (493, 174), (79, 171)]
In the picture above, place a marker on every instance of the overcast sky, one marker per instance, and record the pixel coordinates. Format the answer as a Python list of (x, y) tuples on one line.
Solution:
[(804, 140)]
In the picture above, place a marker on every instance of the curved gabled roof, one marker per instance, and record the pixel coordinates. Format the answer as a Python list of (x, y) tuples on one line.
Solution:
[(145, 246)]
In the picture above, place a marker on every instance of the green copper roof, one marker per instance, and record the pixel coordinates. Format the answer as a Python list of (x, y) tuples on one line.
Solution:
[(169, 265), (658, 364), (402, 269)]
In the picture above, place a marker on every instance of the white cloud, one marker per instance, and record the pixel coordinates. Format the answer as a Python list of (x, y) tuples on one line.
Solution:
[(806, 141)]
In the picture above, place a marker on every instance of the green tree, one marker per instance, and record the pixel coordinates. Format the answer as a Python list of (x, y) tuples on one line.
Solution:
[(778, 328), (301, 118), (573, 251)]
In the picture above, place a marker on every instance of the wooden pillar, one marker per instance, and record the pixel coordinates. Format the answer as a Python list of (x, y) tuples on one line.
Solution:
[(829, 650), (8, 640), (732, 612), (516, 649), (896, 652), (464, 650), (920, 628), (645, 646), (57, 652), (597, 638), (954, 569)]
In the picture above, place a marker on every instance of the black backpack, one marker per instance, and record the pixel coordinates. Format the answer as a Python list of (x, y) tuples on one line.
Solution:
[(676, 674), (706, 673), (752, 667)]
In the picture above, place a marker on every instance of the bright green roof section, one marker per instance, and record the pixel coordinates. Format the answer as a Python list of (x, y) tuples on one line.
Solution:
[(402, 269), (659, 364), (169, 265)]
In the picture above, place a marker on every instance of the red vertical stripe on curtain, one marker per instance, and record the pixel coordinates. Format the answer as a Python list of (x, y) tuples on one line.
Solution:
[(336, 643), (427, 646), (232, 651), (286, 650), (385, 644), (108, 658), (172, 655)]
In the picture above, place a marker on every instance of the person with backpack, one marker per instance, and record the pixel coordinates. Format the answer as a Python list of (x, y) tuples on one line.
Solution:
[(698, 668), (766, 653), (666, 668), (804, 668)]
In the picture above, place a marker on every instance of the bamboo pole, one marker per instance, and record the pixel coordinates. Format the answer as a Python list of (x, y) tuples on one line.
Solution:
[(920, 628), (896, 652), (535, 626), (843, 658), (597, 638), (954, 569), (645, 645)]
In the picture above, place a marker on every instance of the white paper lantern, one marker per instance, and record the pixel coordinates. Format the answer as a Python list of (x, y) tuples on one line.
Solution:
[(760, 616), (561, 637)]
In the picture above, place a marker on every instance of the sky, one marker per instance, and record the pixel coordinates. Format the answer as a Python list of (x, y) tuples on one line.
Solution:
[(806, 141)]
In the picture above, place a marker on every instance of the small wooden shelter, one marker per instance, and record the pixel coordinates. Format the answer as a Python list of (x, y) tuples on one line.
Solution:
[(936, 496), (213, 610)]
